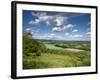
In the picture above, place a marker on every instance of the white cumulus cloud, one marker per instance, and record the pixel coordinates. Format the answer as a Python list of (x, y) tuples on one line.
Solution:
[(41, 17), (68, 26), (34, 22), (62, 28), (66, 34), (56, 29), (60, 20), (75, 30), (76, 36), (28, 29), (88, 33)]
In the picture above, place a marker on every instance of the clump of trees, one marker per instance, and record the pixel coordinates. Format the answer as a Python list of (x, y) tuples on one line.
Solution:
[(61, 45), (32, 46)]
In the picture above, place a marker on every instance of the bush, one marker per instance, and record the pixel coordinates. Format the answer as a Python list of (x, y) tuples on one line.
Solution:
[(38, 53), (31, 45), (61, 45)]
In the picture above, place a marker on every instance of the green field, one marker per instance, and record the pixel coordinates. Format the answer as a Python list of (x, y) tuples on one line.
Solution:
[(55, 54)]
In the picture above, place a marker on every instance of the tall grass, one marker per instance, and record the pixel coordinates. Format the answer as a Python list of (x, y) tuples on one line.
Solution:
[(57, 58)]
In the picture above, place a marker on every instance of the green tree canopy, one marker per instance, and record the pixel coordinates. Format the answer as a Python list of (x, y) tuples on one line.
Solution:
[(31, 45)]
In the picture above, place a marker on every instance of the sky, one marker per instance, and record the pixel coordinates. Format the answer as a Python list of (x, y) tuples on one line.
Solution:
[(67, 26)]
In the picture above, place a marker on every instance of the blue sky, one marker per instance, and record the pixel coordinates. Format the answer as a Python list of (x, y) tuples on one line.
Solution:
[(57, 25)]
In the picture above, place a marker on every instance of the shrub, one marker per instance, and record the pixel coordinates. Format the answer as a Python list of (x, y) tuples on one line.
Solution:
[(31, 45), (61, 45)]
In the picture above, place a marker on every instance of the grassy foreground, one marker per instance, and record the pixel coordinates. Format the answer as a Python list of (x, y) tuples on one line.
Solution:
[(49, 60)]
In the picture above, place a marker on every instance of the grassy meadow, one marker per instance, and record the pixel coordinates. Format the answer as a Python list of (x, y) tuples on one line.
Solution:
[(39, 54)]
